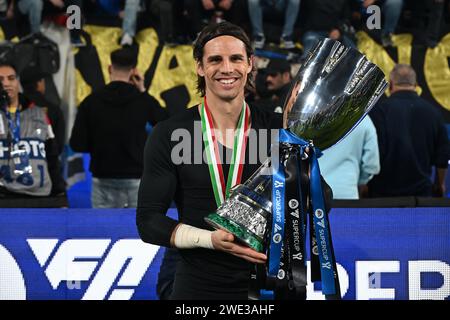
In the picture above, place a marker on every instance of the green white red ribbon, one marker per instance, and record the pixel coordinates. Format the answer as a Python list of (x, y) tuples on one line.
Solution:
[(221, 191)]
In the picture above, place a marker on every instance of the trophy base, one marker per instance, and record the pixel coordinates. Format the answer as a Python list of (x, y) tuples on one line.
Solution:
[(243, 235)]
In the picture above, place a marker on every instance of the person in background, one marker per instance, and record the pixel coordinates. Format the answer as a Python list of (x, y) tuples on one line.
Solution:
[(37, 10), (33, 84), (27, 141), (129, 22), (257, 8), (435, 18), (126, 10), (350, 164), (56, 10), (277, 83), (326, 19), (176, 23), (412, 139), (203, 12), (391, 10), (31, 8), (111, 126)]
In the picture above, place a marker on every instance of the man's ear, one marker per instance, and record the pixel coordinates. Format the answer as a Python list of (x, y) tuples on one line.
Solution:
[(41, 84), (200, 70), (251, 63), (110, 69)]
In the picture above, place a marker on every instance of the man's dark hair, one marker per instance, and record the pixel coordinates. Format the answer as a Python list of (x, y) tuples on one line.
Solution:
[(216, 30), (124, 59), (276, 66), (9, 64), (30, 76)]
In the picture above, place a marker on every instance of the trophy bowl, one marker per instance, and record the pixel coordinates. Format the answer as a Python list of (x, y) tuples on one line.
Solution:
[(334, 89)]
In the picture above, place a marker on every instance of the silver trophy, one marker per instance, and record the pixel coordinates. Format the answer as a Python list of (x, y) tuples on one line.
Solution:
[(334, 89)]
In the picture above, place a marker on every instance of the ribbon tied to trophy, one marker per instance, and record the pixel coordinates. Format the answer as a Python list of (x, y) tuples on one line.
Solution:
[(333, 90)]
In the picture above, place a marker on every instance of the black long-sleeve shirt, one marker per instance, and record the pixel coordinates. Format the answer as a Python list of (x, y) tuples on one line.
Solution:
[(111, 126), (189, 185)]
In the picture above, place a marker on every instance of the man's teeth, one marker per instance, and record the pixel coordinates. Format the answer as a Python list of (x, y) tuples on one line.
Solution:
[(227, 81)]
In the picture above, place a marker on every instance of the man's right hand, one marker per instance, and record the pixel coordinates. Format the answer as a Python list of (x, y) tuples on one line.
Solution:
[(334, 34), (208, 4), (58, 3), (138, 81), (225, 4), (368, 3), (224, 241)]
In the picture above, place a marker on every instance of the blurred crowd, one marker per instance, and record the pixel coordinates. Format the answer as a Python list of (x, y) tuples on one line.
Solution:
[(379, 159), (287, 23)]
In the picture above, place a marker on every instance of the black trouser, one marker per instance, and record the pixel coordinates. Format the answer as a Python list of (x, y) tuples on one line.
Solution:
[(237, 14), (435, 19), (166, 273)]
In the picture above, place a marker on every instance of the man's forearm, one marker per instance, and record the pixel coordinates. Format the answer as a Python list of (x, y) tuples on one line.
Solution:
[(188, 237)]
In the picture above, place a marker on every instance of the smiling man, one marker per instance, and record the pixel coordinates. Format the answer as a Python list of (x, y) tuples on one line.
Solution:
[(213, 265)]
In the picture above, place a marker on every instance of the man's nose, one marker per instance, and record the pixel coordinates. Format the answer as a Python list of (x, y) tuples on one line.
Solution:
[(227, 66)]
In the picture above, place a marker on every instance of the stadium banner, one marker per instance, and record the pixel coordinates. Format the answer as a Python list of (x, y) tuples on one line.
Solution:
[(388, 253)]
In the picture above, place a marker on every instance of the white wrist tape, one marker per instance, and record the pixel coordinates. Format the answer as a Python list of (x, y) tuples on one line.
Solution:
[(188, 237)]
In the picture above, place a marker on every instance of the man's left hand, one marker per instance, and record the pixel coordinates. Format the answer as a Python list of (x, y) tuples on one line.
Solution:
[(58, 3), (224, 241), (334, 34), (225, 4), (368, 3)]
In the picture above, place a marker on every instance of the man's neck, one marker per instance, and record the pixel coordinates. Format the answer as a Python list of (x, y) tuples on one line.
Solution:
[(13, 106), (120, 77), (225, 114), (403, 89)]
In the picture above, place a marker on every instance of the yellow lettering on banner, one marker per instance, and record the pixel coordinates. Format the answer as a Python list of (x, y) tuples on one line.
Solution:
[(403, 43), (148, 41), (437, 72), (3, 37), (105, 40), (83, 89), (184, 74), (378, 55)]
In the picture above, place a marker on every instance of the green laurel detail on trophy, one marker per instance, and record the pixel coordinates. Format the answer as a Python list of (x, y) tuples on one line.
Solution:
[(235, 229)]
